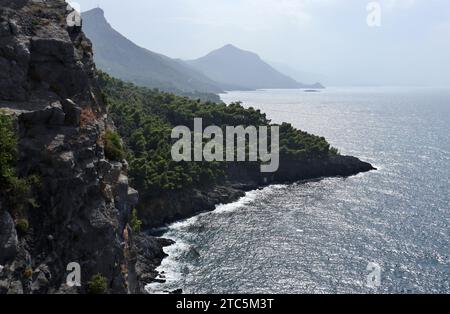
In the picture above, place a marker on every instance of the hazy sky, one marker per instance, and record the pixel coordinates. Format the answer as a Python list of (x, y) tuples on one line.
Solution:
[(330, 38)]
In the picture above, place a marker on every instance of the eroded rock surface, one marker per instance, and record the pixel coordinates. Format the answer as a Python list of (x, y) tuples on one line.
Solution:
[(47, 83)]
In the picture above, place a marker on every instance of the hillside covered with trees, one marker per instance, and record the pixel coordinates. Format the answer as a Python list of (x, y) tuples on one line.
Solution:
[(145, 118)]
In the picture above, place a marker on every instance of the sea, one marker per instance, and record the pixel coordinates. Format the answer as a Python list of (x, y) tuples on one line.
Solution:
[(385, 231)]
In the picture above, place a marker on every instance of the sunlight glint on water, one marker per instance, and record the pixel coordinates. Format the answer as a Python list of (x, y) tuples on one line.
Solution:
[(319, 236)]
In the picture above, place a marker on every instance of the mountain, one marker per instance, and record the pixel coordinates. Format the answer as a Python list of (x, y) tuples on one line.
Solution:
[(298, 74), (235, 68), (228, 68), (120, 57)]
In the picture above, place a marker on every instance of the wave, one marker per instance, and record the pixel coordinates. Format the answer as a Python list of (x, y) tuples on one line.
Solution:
[(175, 267)]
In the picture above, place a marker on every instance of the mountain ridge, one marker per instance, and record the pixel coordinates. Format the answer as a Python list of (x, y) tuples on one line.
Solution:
[(224, 69), (120, 57), (241, 69)]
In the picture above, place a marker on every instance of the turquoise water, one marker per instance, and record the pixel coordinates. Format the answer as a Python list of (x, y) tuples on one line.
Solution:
[(320, 236)]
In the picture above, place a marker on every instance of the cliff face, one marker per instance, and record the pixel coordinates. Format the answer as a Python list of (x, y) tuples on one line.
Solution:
[(47, 83), (241, 177)]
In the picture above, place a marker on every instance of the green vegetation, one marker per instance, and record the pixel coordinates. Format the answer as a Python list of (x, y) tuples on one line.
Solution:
[(8, 143), (145, 118), (22, 226), (135, 223), (97, 285), (299, 145), (15, 192), (113, 146)]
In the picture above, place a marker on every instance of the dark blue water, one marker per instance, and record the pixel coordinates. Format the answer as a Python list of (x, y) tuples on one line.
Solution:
[(320, 236)]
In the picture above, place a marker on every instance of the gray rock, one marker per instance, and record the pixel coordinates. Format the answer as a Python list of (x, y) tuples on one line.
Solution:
[(8, 237), (16, 4), (57, 116), (122, 185), (104, 167), (57, 143), (15, 287), (36, 117), (66, 161), (114, 173), (47, 74), (72, 111), (87, 154), (133, 197), (51, 115), (41, 278), (4, 29)]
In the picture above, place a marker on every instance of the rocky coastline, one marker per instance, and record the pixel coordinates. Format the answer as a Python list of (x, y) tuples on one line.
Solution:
[(242, 178), (84, 201)]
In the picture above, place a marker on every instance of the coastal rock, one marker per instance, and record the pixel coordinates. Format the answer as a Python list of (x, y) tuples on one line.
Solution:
[(172, 206), (243, 177), (149, 253)]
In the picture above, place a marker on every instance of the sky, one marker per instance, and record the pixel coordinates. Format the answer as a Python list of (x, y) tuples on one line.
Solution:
[(325, 39)]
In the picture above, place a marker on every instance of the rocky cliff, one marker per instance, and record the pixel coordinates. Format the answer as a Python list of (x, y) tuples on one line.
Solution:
[(242, 177), (83, 202)]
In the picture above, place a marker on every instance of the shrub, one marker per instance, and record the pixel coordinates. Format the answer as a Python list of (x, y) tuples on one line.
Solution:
[(97, 285), (334, 151), (87, 116), (16, 192), (145, 118), (8, 144), (113, 146), (22, 225), (135, 223), (33, 203), (28, 272)]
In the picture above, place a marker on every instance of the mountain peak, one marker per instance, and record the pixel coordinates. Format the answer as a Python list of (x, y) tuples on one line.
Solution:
[(120, 57), (231, 51), (236, 68), (97, 12), (230, 46)]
